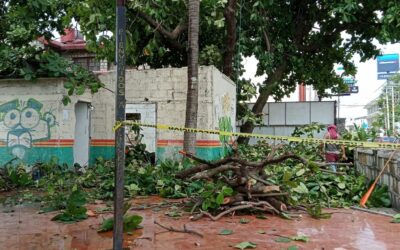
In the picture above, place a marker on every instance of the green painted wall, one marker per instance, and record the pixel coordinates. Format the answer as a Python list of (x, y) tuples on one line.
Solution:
[(106, 152), (39, 154)]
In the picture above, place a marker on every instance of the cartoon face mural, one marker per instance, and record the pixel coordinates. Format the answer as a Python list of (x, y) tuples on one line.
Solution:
[(22, 124)]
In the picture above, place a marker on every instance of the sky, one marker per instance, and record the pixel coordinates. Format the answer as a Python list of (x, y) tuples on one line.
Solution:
[(350, 106)]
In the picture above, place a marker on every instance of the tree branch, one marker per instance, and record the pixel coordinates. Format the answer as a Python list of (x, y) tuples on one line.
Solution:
[(171, 37), (184, 230), (209, 174)]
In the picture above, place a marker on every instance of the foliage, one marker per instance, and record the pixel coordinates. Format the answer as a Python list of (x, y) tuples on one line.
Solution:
[(213, 195), (309, 185), (225, 232), (396, 218), (21, 25), (130, 222), (360, 134), (302, 41), (304, 149), (75, 210), (66, 188), (246, 245), (12, 177), (316, 212)]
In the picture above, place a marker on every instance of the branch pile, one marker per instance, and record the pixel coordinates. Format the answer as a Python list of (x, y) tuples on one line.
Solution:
[(252, 190)]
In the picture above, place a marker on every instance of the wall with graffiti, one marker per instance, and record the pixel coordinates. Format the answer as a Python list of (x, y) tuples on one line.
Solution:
[(32, 128), (24, 123)]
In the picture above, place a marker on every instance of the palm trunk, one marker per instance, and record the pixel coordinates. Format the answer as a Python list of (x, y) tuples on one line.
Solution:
[(193, 79)]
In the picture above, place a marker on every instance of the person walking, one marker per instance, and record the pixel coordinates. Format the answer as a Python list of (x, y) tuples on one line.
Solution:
[(331, 152)]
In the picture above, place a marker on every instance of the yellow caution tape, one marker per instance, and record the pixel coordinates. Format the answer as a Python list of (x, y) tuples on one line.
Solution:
[(347, 143)]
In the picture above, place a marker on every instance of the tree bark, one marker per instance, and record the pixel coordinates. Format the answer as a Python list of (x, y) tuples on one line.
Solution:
[(189, 141), (271, 83), (230, 17)]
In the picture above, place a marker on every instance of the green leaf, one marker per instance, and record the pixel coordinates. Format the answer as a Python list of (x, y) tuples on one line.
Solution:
[(283, 239), (131, 222), (245, 245), (342, 185), (220, 198), (244, 221), (107, 225), (302, 238), (301, 188), (293, 248), (174, 213), (227, 191), (262, 217), (396, 218), (285, 216), (225, 232), (300, 172)]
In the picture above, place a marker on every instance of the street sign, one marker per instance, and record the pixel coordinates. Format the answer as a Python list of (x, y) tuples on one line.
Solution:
[(388, 65), (349, 81), (353, 89), (385, 75)]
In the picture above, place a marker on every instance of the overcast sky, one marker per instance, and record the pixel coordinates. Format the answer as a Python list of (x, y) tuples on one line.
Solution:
[(350, 106)]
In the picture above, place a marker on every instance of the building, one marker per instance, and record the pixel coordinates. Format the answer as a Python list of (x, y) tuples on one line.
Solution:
[(35, 126), (373, 111), (282, 118), (72, 46)]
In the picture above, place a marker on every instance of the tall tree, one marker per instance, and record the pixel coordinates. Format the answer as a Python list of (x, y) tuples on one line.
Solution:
[(189, 142), (301, 40)]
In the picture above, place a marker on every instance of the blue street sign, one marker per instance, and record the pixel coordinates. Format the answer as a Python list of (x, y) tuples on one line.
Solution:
[(349, 81), (388, 65)]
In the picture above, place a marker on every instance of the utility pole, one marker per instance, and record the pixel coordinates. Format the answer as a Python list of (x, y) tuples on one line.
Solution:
[(387, 109), (120, 34), (338, 108), (392, 109)]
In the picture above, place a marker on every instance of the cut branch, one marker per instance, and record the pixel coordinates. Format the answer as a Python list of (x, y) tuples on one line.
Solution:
[(209, 174), (230, 210), (184, 230)]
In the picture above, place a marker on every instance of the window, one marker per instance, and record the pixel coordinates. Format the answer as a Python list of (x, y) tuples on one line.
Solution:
[(89, 63), (133, 116)]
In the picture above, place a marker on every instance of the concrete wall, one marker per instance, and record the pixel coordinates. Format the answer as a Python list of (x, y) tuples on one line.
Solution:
[(167, 88), (371, 161), (281, 118), (34, 124)]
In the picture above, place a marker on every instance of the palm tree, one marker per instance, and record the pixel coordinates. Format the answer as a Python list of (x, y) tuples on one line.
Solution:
[(193, 73)]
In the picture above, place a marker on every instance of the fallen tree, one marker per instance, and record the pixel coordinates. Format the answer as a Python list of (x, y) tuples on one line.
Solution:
[(250, 185)]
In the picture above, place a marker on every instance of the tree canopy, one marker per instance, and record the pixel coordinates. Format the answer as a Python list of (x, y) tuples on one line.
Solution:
[(21, 24), (294, 41)]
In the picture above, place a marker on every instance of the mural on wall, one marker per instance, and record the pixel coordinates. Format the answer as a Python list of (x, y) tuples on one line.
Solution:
[(22, 123), (224, 121)]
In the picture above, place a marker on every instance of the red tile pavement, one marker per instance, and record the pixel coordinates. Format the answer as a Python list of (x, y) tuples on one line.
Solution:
[(347, 229)]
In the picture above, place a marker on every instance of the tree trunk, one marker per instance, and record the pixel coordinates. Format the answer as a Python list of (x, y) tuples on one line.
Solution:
[(230, 17), (271, 83), (193, 79)]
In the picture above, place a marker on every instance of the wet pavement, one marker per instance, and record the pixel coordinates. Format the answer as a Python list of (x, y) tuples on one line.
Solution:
[(24, 228)]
